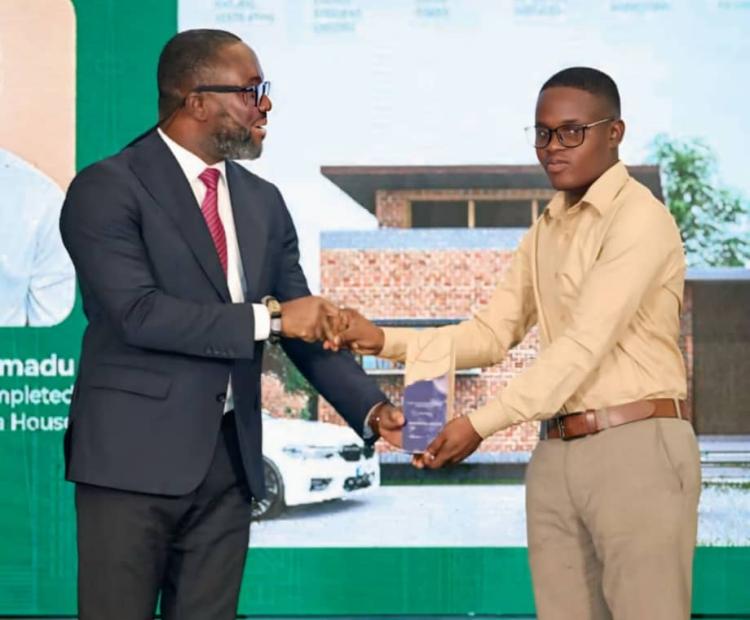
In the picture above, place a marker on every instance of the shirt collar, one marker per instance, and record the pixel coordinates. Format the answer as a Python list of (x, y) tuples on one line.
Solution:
[(600, 195), (192, 165)]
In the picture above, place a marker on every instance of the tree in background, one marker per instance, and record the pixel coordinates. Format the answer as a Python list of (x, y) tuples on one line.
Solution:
[(713, 220), (275, 362)]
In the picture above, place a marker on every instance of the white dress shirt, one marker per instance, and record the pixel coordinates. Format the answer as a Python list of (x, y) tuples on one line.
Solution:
[(193, 166), (37, 279)]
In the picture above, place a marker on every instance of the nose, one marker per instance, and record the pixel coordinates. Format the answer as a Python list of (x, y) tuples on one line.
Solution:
[(265, 104), (554, 145)]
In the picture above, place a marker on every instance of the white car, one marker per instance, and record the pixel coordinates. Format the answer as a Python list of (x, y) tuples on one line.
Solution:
[(307, 462)]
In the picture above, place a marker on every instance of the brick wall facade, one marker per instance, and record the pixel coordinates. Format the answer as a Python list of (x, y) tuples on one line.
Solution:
[(440, 284), (392, 209), (278, 401)]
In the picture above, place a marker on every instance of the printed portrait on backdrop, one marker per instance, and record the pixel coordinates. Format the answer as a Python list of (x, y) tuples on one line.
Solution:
[(37, 159)]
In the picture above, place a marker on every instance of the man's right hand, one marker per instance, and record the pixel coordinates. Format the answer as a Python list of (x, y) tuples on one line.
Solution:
[(309, 318), (355, 332)]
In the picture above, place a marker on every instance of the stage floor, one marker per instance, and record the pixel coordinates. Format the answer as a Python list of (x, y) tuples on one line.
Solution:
[(465, 617)]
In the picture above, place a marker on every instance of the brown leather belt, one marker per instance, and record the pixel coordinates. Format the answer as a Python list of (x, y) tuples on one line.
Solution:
[(572, 425)]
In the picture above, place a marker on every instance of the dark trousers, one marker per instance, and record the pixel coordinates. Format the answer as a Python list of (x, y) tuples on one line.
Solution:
[(191, 549)]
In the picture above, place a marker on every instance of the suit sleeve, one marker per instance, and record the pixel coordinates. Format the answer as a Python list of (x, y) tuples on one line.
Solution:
[(100, 227), (337, 376)]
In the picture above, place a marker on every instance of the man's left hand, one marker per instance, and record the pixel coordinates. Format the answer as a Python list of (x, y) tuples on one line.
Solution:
[(388, 422), (454, 443)]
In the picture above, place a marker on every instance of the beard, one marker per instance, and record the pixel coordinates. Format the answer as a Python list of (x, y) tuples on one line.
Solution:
[(233, 141)]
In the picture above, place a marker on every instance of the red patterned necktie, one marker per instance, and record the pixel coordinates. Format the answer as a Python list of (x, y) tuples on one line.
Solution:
[(210, 209)]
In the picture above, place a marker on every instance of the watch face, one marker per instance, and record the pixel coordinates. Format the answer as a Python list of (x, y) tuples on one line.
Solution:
[(273, 305)]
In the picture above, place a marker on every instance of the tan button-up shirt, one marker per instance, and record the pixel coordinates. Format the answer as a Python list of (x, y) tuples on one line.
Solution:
[(603, 279)]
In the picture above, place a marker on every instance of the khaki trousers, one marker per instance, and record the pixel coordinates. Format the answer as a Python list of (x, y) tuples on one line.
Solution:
[(612, 522)]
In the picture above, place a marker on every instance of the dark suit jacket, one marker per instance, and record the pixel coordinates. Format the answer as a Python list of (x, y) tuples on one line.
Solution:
[(163, 336)]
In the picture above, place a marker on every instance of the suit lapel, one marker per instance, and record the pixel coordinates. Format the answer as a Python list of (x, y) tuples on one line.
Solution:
[(250, 222), (161, 175)]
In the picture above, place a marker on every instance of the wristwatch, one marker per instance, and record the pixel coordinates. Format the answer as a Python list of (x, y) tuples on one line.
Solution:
[(274, 310)]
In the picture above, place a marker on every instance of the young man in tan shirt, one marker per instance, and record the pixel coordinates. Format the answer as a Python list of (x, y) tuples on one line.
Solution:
[(613, 487)]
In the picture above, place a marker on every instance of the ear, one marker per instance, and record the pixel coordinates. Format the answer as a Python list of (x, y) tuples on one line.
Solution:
[(195, 106), (616, 133)]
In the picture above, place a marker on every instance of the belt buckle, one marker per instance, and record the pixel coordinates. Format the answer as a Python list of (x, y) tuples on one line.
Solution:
[(560, 426)]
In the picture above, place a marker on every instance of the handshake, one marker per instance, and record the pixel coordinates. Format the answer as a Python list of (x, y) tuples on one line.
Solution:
[(315, 319)]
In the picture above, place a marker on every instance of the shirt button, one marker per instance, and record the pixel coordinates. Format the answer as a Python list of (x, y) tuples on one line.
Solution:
[(221, 398)]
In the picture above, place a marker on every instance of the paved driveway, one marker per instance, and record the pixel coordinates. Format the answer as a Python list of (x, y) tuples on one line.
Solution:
[(460, 516)]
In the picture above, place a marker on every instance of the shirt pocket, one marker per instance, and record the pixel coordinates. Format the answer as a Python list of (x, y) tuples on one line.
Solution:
[(577, 263)]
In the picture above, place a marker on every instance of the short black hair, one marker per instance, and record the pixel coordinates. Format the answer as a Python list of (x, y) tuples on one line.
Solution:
[(184, 61), (592, 81)]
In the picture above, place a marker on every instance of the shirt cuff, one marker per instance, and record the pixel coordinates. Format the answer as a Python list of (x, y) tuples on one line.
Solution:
[(262, 322), (490, 419), (367, 432), (395, 343)]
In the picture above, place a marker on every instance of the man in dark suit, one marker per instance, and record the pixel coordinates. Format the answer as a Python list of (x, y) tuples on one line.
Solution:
[(182, 255)]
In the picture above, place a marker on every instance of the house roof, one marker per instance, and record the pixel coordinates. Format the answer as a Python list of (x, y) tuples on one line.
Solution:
[(361, 182)]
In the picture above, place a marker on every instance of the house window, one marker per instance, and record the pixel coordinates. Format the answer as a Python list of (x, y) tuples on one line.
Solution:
[(503, 214), (474, 213), (375, 366), (439, 214)]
